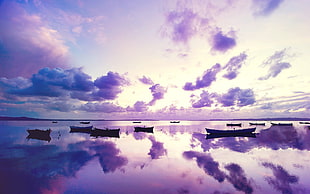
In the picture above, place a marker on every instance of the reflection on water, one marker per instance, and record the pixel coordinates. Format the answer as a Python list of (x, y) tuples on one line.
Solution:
[(175, 158)]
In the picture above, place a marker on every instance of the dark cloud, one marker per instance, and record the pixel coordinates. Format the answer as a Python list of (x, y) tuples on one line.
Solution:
[(204, 101), (233, 65), (106, 107), (157, 150), (265, 7), (158, 92), (27, 43), (276, 64), (208, 77), (206, 162), (282, 180), (238, 179), (146, 80), (71, 83), (182, 25), (237, 96), (221, 42), (139, 106)]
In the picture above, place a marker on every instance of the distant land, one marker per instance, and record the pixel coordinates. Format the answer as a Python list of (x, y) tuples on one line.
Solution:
[(4, 118)]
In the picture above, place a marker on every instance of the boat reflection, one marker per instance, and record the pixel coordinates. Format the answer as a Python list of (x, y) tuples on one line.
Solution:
[(39, 134), (144, 129), (105, 133), (212, 136)]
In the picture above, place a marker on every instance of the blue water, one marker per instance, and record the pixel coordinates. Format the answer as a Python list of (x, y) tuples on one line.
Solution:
[(176, 158)]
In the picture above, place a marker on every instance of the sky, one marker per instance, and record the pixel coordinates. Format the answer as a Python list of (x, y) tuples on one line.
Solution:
[(176, 59)]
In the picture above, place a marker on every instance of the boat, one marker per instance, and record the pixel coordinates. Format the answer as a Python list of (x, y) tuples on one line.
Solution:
[(304, 123), (136, 121), (54, 122), (85, 122), (105, 132), (174, 121), (257, 124), (39, 134), (233, 124), (86, 129), (144, 129), (234, 131), (219, 135), (282, 124)]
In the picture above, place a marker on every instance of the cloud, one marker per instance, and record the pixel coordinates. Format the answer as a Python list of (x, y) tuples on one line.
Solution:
[(221, 42), (233, 65), (238, 179), (71, 83), (276, 64), (237, 96), (158, 92), (105, 107), (157, 150), (146, 80), (208, 77), (139, 106), (265, 7), (282, 180), (206, 162), (27, 43), (182, 25), (204, 101)]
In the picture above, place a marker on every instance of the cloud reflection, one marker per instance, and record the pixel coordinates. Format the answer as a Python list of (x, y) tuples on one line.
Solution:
[(282, 179), (206, 162), (157, 149)]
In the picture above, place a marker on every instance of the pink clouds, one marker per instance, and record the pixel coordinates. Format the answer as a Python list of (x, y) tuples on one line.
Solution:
[(28, 42)]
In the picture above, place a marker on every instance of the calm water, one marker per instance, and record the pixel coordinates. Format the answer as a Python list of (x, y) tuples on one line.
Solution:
[(176, 158)]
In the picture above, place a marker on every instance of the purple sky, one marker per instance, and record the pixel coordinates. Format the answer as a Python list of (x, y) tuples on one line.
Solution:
[(154, 59)]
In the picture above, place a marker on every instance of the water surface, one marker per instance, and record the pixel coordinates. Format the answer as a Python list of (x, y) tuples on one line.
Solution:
[(176, 158)]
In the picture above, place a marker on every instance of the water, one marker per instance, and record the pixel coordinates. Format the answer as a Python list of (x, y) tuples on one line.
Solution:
[(176, 158)]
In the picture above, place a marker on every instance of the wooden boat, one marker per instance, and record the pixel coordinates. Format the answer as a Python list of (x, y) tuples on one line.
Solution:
[(174, 121), (136, 121), (54, 122), (144, 129), (85, 122), (234, 131), (105, 132), (257, 124), (304, 123), (39, 134), (233, 124), (86, 129), (282, 124), (219, 135)]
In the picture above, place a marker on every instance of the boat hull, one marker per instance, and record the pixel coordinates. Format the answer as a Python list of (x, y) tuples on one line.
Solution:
[(144, 129), (219, 135), (233, 124), (257, 124), (81, 129), (105, 133), (231, 132), (282, 124)]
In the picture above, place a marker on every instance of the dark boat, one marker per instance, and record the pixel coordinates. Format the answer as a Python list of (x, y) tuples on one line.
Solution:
[(54, 122), (85, 122), (105, 132), (282, 124), (233, 124), (144, 129), (39, 134), (304, 123), (86, 129), (219, 135), (174, 121), (257, 124), (231, 132), (136, 121)]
